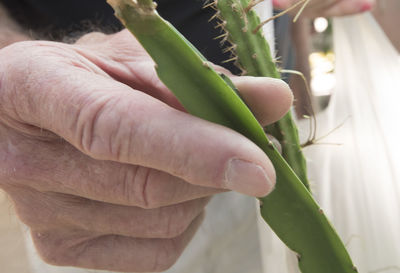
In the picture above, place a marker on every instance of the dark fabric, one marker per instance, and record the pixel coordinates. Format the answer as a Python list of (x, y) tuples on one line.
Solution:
[(284, 46), (55, 17), (58, 18)]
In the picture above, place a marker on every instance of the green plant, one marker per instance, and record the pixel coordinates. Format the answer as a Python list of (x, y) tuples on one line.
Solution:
[(290, 209), (252, 53)]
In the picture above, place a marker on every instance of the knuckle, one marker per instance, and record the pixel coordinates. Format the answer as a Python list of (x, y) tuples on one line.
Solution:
[(53, 256), (132, 186), (135, 187), (26, 68), (102, 128), (8, 169), (20, 59), (96, 128), (150, 198), (92, 38), (139, 188), (29, 216), (16, 51), (51, 249), (175, 222), (34, 208), (166, 256), (16, 165)]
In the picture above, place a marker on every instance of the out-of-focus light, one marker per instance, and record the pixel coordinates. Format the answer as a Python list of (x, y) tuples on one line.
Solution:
[(323, 80), (323, 84), (321, 62), (320, 24)]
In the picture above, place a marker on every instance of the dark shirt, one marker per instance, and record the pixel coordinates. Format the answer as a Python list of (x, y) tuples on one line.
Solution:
[(58, 18)]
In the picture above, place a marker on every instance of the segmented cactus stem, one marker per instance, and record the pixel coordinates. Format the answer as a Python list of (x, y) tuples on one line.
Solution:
[(242, 29), (252, 54), (290, 210)]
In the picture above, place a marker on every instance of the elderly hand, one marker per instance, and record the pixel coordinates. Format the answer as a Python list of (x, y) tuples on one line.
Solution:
[(328, 8), (101, 161)]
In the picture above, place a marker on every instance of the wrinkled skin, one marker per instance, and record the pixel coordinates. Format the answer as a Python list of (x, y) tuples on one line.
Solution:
[(328, 8), (101, 161)]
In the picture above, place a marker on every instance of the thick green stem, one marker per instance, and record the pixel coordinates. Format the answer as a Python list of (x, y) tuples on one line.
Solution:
[(254, 57), (290, 209)]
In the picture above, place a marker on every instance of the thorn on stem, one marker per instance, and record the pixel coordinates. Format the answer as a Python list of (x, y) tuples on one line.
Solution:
[(210, 4), (252, 4), (216, 15), (302, 2), (231, 49), (222, 24), (207, 65), (313, 120), (221, 36), (230, 60), (235, 7)]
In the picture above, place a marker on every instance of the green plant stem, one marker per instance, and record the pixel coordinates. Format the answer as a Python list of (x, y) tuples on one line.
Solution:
[(254, 58), (290, 209)]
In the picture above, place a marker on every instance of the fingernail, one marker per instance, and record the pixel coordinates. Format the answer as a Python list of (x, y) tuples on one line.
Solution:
[(280, 3), (366, 6), (277, 3), (248, 178)]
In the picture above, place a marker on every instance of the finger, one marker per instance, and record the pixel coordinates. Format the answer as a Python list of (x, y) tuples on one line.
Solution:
[(164, 222), (122, 57), (329, 8), (50, 211), (269, 99), (119, 65), (260, 92), (110, 121), (343, 8), (283, 4), (111, 252), (55, 166)]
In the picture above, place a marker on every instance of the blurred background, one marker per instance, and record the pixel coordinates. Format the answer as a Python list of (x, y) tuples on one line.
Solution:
[(312, 54)]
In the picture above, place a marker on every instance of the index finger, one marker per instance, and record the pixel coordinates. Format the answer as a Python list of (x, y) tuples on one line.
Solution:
[(110, 121)]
